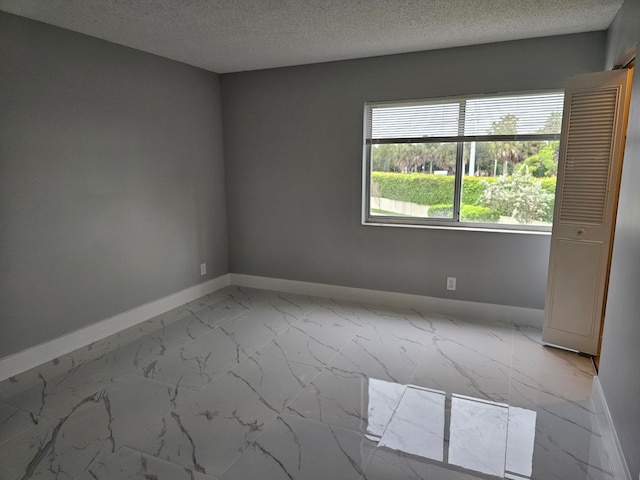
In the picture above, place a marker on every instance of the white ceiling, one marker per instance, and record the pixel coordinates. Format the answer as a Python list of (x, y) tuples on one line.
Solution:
[(236, 35)]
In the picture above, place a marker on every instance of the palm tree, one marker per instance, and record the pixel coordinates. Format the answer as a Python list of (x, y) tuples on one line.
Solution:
[(509, 152), (409, 158)]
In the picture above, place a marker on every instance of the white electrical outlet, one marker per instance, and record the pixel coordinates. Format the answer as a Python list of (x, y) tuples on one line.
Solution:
[(451, 283), (203, 269)]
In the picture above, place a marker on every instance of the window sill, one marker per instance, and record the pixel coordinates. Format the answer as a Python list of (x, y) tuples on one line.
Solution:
[(465, 227)]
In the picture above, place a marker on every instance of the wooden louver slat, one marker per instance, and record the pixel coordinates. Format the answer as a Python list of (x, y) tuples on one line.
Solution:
[(589, 145)]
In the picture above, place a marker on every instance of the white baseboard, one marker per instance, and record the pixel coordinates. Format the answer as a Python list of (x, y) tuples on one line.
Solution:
[(34, 356), (40, 354), (612, 446), (458, 308)]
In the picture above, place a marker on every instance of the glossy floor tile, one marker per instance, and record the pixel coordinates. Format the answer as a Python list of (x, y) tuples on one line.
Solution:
[(253, 384)]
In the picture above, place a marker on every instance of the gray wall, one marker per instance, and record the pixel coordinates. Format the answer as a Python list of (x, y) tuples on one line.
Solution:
[(111, 180), (620, 355), (293, 159)]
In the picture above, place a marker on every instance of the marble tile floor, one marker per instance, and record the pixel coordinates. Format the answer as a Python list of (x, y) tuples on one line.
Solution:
[(250, 384)]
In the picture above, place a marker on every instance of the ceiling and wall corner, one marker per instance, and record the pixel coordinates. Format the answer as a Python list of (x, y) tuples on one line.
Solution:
[(623, 35), (242, 35)]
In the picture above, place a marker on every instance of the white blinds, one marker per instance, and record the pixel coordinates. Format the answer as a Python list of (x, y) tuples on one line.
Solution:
[(436, 120), (529, 114)]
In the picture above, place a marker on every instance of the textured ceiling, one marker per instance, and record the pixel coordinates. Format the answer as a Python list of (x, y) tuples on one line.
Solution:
[(235, 35)]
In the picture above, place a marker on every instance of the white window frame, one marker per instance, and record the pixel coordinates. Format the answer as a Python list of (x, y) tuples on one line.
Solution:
[(442, 223)]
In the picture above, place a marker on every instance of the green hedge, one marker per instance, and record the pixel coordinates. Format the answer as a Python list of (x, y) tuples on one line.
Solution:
[(429, 189), (468, 213), (473, 188), (419, 188)]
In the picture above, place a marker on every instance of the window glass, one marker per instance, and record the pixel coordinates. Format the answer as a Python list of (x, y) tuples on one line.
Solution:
[(413, 179), (488, 161)]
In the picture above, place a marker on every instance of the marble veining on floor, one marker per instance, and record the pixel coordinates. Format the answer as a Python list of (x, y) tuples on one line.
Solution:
[(251, 384)]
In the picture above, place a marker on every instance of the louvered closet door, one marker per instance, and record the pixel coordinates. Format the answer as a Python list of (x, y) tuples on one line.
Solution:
[(590, 162)]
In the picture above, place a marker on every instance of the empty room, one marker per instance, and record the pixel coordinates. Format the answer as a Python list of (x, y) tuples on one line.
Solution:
[(306, 240)]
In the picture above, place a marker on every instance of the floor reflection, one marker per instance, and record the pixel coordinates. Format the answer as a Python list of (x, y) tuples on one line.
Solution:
[(418, 425), (477, 435)]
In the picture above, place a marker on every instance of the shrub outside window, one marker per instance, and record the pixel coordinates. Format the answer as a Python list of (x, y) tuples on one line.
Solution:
[(487, 161)]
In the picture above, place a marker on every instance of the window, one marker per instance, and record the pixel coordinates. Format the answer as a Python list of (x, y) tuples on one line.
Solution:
[(487, 162)]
